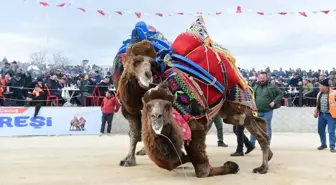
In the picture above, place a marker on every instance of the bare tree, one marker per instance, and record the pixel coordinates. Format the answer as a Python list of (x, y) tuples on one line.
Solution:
[(59, 59), (38, 58)]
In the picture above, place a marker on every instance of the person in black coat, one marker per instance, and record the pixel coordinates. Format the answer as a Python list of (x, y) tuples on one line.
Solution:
[(17, 89)]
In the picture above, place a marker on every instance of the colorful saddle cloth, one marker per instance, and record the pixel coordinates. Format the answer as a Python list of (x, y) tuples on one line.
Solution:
[(241, 96), (142, 31), (183, 124), (196, 45), (189, 103)]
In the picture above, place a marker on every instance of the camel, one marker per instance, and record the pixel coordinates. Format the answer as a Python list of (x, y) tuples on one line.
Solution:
[(139, 61), (163, 138), (77, 124), (204, 100), (231, 113)]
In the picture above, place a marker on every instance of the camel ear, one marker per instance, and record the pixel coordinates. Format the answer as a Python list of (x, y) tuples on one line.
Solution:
[(143, 100), (148, 106)]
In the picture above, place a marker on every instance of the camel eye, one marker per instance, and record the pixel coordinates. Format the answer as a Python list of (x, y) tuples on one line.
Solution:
[(148, 106), (137, 60), (168, 106)]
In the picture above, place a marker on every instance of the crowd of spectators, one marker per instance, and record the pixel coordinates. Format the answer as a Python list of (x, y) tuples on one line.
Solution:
[(300, 87), (25, 84)]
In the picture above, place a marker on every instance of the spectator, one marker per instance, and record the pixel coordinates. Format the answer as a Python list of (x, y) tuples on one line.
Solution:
[(1, 95), (268, 97), (332, 81), (109, 75), (219, 126), (37, 98), (307, 91), (15, 67), (109, 106), (104, 85), (326, 114), (85, 88), (16, 86), (55, 87), (294, 82), (241, 140), (6, 70), (97, 78), (3, 82)]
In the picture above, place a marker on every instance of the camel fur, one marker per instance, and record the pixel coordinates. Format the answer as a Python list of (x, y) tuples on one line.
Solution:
[(233, 114), (130, 93), (168, 155)]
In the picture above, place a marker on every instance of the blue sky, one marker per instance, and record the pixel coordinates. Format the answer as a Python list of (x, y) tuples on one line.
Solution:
[(256, 41)]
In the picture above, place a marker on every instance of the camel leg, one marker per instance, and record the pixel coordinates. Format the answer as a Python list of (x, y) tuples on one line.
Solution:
[(198, 157), (135, 137), (257, 127), (141, 152)]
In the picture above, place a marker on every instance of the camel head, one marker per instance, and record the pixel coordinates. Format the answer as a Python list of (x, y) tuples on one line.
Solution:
[(140, 62), (158, 104)]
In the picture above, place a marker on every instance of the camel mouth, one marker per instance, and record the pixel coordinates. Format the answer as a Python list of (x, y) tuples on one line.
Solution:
[(146, 83), (157, 129)]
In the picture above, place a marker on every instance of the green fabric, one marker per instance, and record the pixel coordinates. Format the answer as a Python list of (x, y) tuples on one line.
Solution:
[(219, 126), (265, 94), (308, 88)]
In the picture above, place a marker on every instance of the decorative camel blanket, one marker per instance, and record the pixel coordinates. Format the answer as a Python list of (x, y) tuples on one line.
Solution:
[(188, 100), (183, 124), (241, 96), (140, 32), (196, 45)]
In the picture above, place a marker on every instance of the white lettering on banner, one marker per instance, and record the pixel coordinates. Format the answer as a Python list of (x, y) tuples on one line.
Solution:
[(19, 121)]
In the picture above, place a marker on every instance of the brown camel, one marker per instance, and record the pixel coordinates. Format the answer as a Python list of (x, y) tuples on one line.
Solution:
[(231, 113), (163, 137), (137, 68)]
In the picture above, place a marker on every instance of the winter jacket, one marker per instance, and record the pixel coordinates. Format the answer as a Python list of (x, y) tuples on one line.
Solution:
[(265, 94), (110, 105)]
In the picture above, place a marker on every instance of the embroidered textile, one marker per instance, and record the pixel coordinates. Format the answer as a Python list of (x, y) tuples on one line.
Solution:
[(242, 96), (183, 124), (188, 100)]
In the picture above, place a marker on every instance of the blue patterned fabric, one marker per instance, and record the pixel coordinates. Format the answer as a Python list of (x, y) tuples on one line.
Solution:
[(141, 31)]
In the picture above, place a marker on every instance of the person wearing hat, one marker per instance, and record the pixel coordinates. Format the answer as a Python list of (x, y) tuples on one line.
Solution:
[(110, 105), (326, 113)]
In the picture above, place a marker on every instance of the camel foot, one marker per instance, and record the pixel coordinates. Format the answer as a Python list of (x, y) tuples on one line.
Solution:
[(261, 170), (231, 167), (228, 168), (141, 152), (127, 162), (270, 154)]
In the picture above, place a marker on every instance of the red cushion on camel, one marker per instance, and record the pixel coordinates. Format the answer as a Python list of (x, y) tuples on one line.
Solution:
[(189, 45), (185, 43), (206, 58)]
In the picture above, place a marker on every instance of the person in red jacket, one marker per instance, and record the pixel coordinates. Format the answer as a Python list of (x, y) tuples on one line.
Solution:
[(109, 106)]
